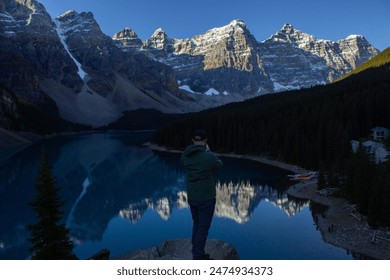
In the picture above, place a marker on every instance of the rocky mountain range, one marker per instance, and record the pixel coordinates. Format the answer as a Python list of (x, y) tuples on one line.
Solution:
[(229, 60), (93, 78)]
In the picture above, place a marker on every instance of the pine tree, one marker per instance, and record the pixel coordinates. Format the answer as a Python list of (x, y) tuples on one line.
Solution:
[(50, 239)]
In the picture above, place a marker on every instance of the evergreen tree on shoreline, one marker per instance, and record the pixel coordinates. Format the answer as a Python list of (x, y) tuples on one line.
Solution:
[(50, 239)]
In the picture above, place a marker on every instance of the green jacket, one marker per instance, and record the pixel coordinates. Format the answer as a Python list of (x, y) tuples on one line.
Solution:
[(200, 165)]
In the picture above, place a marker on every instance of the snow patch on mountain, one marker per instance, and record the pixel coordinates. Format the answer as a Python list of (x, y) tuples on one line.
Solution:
[(278, 87), (62, 37), (211, 92), (187, 88), (353, 36)]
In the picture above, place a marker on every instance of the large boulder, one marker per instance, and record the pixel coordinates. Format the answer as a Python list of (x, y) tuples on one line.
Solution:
[(180, 249)]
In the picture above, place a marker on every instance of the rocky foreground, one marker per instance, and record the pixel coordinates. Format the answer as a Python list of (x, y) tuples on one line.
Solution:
[(343, 226), (180, 249)]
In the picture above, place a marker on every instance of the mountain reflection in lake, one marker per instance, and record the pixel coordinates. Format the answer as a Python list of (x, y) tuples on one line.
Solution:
[(123, 196)]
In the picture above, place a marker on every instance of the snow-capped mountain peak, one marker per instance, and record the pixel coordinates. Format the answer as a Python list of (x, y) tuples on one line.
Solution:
[(288, 28), (127, 39), (291, 35), (69, 13), (128, 33), (159, 40), (237, 23), (160, 35), (159, 32), (354, 36), (72, 21), (236, 26)]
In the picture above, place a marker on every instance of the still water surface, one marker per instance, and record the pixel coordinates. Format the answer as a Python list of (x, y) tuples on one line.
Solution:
[(123, 196)]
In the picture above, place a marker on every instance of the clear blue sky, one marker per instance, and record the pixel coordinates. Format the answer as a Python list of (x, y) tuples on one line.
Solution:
[(328, 19)]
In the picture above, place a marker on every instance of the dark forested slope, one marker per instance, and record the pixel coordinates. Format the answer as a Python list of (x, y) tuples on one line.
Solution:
[(304, 127)]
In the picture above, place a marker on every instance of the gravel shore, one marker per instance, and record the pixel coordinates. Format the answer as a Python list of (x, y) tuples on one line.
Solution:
[(342, 226)]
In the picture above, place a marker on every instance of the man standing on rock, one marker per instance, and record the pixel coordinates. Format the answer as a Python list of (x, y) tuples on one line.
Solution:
[(200, 164)]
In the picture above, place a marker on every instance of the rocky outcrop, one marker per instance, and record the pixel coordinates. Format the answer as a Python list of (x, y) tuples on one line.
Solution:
[(180, 249)]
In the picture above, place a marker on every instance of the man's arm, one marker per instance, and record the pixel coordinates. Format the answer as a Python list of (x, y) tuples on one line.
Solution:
[(217, 163)]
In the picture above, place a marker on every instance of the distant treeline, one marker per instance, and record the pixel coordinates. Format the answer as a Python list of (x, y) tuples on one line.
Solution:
[(310, 127)]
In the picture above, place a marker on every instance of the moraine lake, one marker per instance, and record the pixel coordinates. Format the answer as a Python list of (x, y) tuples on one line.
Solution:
[(123, 196)]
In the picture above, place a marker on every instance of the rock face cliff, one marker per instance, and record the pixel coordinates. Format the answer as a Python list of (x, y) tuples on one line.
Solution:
[(221, 61), (31, 51), (295, 59), (229, 61), (102, 61), (114, 81)]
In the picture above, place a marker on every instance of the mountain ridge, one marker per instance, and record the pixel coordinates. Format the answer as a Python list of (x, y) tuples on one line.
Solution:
[(94, 78), (273, 62)]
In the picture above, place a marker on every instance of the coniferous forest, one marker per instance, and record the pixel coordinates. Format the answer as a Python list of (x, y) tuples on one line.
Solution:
[(311, 128)]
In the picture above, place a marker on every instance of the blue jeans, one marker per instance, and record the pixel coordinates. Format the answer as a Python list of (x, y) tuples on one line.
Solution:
[(202, 213)]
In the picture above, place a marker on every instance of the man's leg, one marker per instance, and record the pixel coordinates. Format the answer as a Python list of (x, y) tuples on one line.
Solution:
[(204, 212), (195, 221)]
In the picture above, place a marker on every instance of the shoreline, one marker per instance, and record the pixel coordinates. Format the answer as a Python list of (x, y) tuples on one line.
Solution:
[(20, 138), (282, 165), (340, 224)]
